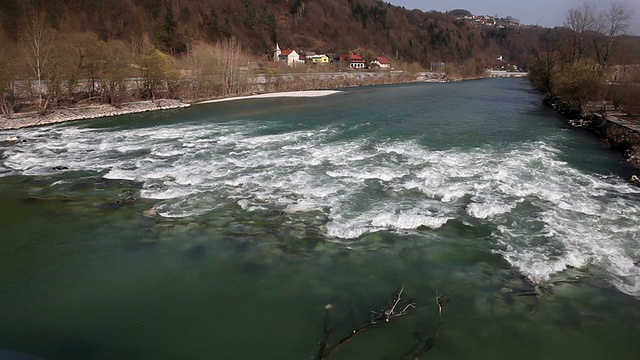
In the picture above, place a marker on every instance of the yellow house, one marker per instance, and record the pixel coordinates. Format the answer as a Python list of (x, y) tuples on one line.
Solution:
[(318, 58)]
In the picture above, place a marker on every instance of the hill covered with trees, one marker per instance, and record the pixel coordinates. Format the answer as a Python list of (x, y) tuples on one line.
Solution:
[(60, 44), (336, 26)]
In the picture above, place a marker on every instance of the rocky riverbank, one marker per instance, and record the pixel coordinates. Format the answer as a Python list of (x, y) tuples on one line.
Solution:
[(22, 120), (619, 134)]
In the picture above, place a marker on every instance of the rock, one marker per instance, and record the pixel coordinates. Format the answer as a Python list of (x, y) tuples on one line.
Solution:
[(126, 197), (635, 179), (11, 140), (60, 167), (151, 213)]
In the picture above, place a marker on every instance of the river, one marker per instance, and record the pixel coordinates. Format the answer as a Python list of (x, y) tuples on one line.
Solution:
[(222, 231)]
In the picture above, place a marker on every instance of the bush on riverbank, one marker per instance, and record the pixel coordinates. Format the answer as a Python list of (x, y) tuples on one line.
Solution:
[(114, 72)]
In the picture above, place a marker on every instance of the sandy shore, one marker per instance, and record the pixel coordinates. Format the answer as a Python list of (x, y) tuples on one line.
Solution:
[(22, 120), (309, 93)]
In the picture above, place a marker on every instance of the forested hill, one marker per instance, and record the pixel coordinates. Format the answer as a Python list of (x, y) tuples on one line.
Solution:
[(313, 25)]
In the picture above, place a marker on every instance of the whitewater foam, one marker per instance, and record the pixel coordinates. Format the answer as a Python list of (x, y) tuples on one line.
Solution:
[(542, 223)]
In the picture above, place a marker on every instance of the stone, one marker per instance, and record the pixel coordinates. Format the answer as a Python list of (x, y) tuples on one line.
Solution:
[(151, 213)]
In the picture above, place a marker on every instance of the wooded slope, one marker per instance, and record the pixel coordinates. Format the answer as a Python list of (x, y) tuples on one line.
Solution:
[(337, 26)]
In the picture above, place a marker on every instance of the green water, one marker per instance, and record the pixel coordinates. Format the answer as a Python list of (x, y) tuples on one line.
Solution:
[(271, 209)]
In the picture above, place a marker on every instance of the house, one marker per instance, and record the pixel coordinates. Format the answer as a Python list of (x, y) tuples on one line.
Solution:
[(318, 59), (288, 55), (357, 62), (381, 62)]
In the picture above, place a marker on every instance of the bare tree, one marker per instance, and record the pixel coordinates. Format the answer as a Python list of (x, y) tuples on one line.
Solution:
[(613, 23), (581, 20), (8, 77), (37, 44), (220, 69), (114, 71), (234, 67), (546, 64)]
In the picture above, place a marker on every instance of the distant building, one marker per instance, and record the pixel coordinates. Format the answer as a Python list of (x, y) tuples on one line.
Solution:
[(318, 59), (382, 62), (619, 73), (357, 62), (288, 55), (277, 52)]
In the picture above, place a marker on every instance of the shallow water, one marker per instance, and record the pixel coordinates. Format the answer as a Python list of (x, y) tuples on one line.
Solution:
[(272, 208)]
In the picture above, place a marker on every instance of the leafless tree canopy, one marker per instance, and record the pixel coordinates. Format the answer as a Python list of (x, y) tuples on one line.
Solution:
[(581, 20), (587, 62), (37, 43)]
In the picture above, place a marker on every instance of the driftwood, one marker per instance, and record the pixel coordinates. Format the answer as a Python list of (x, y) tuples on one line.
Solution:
[(424, 345), (396, 307)]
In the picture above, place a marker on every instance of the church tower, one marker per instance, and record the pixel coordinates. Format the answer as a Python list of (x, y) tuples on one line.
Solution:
[(276, 53)]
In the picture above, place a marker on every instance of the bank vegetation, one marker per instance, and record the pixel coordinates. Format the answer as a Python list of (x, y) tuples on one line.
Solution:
[(75, 52), (592, 64), (45, 69)]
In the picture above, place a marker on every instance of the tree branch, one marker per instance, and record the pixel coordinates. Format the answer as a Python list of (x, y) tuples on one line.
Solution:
[(384, 315), (430, 342)]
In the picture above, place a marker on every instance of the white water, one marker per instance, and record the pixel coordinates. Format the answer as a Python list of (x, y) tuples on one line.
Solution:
[(545, 215)]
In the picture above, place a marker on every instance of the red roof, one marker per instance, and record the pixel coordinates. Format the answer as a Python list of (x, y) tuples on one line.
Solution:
[(383, 60), (286, 52), (355, 58)]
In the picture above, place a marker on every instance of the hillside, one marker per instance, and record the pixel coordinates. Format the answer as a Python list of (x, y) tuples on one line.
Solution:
[(314, 25), (111, 51)]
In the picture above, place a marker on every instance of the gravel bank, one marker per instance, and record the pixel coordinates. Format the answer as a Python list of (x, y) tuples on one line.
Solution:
[(22, 120)]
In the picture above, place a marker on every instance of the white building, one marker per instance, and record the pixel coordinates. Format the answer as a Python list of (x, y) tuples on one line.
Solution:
[(288, 55)]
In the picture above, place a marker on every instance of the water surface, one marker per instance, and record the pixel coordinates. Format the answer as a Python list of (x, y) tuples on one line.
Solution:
[(269, 209)]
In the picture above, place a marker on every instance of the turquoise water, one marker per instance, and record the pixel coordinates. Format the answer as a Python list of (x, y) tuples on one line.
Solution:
[(270, 209)]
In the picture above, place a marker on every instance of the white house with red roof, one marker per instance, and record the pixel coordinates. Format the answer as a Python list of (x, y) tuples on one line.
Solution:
[(381, 62), (288, 55), (357, 62)]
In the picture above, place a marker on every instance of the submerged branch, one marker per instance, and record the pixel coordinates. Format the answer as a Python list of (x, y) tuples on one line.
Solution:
[(430, 342), (384, 315)]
